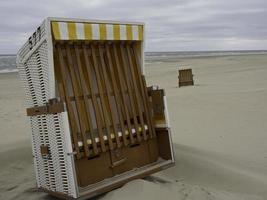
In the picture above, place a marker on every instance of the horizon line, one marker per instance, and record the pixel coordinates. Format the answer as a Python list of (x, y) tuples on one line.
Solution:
[(13, 54)]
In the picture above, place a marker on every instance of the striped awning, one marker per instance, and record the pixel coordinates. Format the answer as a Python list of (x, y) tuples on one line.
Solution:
[(96, 31)]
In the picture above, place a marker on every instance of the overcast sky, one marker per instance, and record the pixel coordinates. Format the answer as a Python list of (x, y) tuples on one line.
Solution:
[(171, 25)]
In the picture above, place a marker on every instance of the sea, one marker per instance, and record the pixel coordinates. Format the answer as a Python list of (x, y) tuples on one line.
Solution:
[(8, 62)]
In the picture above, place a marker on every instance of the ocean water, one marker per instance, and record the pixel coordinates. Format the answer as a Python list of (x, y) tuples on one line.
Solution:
[(8, 62), (158, 57)]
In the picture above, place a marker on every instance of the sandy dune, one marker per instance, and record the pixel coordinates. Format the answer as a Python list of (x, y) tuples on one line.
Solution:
[(219, 129)]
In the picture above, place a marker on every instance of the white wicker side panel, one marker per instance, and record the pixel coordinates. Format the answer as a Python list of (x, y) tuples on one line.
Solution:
[(56, 171), (35, 75)]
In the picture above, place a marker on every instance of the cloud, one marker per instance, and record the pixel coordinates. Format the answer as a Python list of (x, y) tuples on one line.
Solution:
[(171, 25)]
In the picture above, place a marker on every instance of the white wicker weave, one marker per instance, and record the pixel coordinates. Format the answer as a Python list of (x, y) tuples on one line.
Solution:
[(55, 172)]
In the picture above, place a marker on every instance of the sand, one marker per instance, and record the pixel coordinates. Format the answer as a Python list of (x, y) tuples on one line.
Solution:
[(219, 131)]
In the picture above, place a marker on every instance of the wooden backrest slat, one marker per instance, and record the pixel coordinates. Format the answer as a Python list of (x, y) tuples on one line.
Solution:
[(118, 101), (137, 91), (95, 66), (117, 67), (143, 86), (137, 73), (63, 95), (103, 70), (84, 89), (79, 103), (96, 106), (128, 86)]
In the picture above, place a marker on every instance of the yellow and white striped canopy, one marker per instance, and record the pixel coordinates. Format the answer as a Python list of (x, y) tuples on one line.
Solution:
[(96, 31)]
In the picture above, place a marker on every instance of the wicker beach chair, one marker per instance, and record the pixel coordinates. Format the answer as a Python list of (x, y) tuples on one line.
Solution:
[(185, 77), (95, 124)]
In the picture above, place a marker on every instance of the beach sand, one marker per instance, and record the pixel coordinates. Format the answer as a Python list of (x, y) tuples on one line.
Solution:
[(219, 131)]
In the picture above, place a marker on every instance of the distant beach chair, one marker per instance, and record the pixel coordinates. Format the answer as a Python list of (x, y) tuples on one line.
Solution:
[(95, 124), (185, 77)]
